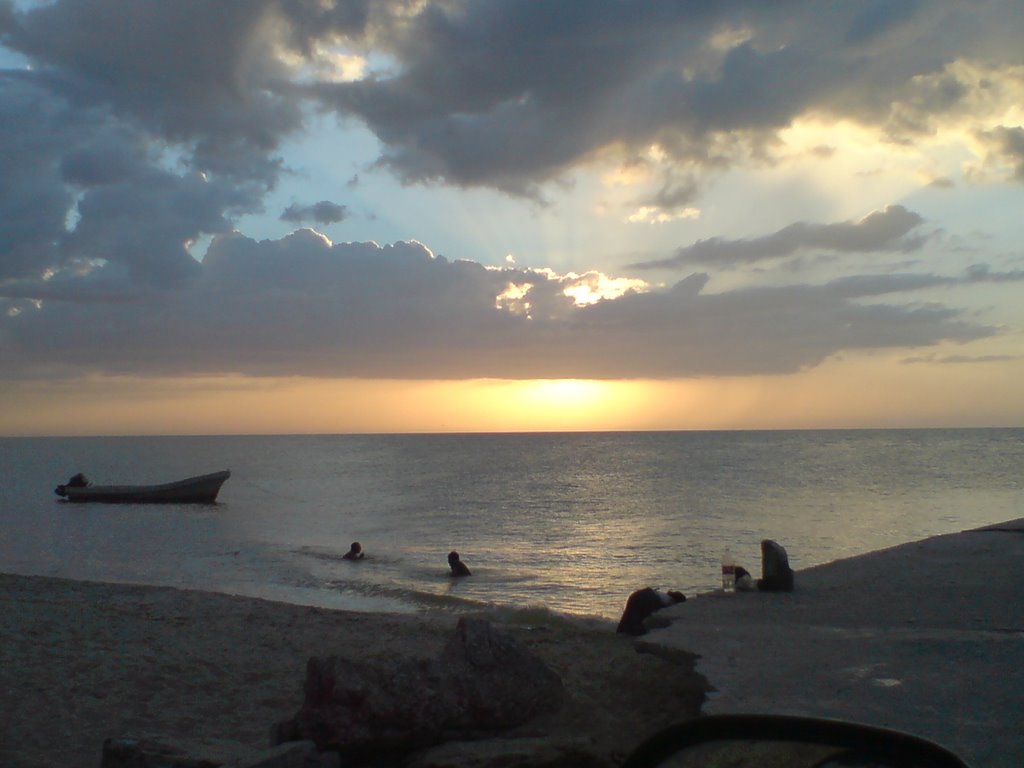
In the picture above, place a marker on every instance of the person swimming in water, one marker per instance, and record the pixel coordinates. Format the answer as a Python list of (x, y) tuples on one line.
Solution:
[(458, 567), (354, 553)]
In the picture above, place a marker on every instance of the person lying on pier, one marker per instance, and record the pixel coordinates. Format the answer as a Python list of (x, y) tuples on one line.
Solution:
[(355, 552), (642, 604), (458, 567), (744, 581)]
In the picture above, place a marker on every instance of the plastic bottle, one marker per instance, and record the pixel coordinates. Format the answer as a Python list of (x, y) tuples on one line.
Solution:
[(728, 572)]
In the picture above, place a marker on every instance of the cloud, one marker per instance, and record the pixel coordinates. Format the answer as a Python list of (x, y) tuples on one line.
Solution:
[(1007, 146), (878, 18), (885, 230), (959, 359), (141, 128), (538, 89), (324, 212), (535, 90), (79, 187), (34, 200), (137, 130), (218, 79), (304, 306)]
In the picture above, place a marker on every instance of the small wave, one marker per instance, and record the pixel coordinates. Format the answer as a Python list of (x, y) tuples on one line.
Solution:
[(336, 556), (421, 599)]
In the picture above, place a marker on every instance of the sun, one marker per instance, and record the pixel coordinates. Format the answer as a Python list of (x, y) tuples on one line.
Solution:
[(558, 404)]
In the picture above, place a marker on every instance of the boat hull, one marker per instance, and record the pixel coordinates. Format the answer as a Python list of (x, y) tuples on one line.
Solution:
[(202, 489)]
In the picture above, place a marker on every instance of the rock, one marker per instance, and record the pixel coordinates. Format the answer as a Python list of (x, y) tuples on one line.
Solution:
[(483, 681), (489, 681), (295, 754), (155, 752), (360, 708), (776, 575), (151, 753), (538, 752)]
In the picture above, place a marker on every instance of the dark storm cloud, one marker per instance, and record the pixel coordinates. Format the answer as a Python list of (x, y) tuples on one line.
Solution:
[(121, 96), (879, 17), (324, 212), (887, 230), (190, 71), (34, 200), (78, 187), (510, 94), (140, 127), (499, 93), (534, 88), (301, 306)]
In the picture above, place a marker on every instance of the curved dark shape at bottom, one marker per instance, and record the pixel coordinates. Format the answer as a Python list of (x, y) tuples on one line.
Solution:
[(856, 744)]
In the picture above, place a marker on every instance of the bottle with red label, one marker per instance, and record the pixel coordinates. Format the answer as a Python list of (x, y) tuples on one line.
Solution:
[(728, 572)]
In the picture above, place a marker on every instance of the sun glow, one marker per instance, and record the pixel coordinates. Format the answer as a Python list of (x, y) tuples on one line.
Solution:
[(830, 396), (564, 394)]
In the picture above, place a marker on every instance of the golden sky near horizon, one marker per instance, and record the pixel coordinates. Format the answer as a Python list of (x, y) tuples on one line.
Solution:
[(857, 394)]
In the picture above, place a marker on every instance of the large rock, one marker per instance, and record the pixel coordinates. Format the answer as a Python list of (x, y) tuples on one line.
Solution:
[(526, 752), (483, 681), (157, 752), (153, 753), (369, 709), (489, 681)]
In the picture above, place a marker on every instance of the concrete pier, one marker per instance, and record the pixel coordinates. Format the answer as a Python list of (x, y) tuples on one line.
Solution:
[(926, 637)]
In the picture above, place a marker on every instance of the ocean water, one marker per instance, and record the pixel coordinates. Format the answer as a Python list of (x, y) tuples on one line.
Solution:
[(568, 522)]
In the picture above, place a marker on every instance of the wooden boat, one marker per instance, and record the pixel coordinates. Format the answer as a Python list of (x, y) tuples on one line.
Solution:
[(202, 489)]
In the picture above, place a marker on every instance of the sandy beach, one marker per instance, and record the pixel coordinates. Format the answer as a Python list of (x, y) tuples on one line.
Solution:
[(82, 661), (927, 637)]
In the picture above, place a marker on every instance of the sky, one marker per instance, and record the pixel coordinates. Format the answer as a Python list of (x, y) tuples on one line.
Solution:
[(330, 216)]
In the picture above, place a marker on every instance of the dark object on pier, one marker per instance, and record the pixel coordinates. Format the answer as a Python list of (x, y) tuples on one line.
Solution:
[(776, 575), (744, 581), (642, 604)]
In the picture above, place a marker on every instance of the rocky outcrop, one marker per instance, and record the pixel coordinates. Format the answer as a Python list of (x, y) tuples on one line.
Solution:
[(484, 681), (537, 752), (153, 752), (490, 682)]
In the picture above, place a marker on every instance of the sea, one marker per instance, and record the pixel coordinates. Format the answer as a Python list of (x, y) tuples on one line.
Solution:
[(570, 523)]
